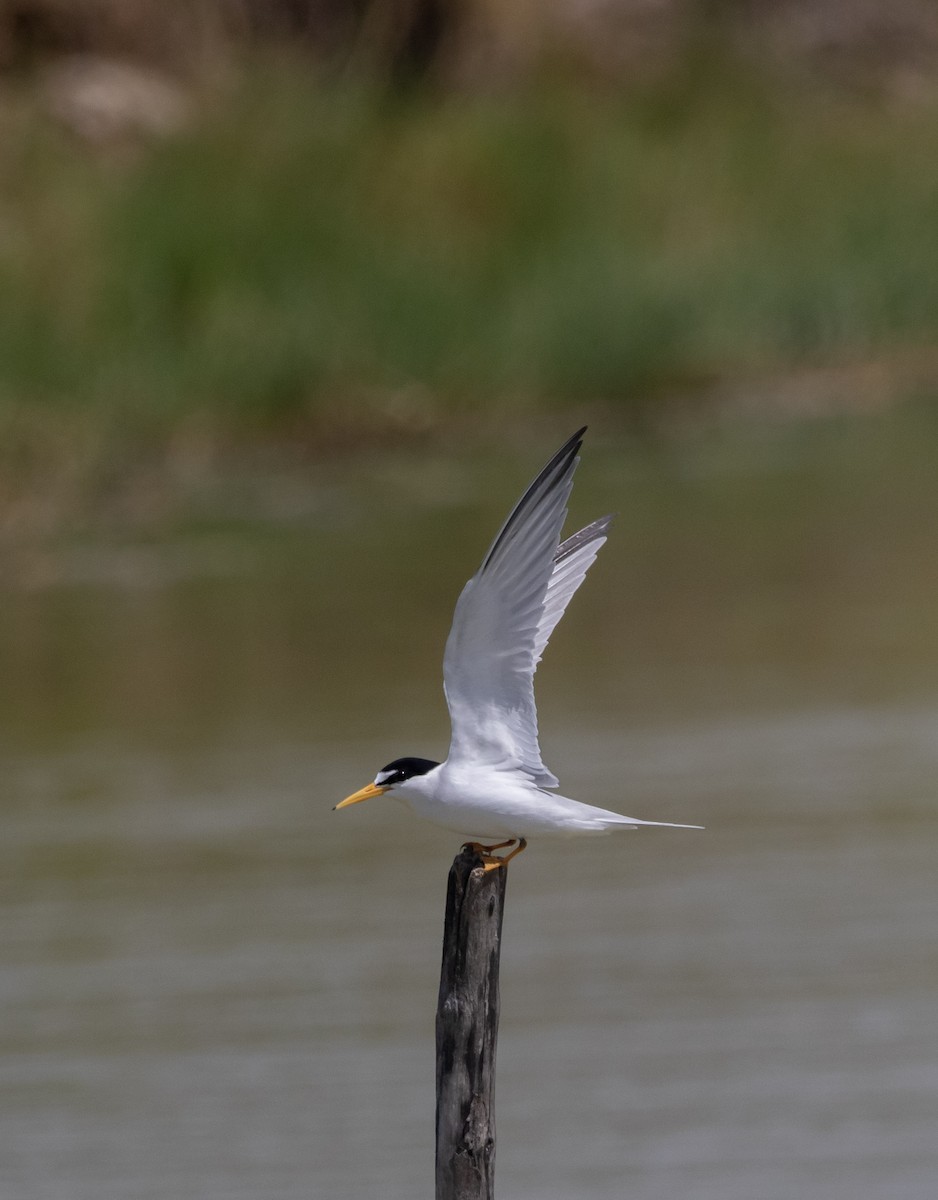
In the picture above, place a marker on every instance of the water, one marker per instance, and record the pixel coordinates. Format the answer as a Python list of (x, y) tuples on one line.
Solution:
[(213, 986)]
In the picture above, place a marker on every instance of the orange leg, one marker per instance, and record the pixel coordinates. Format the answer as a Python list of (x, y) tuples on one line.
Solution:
[(491, 861)]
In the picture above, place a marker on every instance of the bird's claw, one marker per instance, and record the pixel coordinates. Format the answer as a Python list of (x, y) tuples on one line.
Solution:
[(491, 861)]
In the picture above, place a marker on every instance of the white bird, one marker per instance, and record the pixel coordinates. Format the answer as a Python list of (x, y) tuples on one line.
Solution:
[(494, 786)]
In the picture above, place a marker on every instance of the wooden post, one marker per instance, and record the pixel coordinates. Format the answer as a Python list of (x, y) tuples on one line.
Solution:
[(467, 1030)]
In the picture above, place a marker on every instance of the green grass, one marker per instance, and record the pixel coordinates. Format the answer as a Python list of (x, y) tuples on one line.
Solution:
[(318, 261)]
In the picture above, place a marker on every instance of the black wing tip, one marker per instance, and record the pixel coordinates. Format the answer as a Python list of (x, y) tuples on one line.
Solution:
[(570, 447), (567, 451), (549, 477), (574, 442)]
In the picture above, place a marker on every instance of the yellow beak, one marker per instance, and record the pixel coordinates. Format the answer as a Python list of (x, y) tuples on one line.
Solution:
[(364, 794)]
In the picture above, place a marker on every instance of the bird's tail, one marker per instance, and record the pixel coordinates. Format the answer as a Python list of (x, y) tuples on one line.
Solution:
[(634, 822)]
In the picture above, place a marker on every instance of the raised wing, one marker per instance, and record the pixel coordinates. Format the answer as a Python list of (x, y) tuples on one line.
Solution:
[(504, 617), (572, 559)]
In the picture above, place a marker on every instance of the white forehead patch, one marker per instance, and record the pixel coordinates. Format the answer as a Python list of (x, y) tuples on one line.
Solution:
[(382, 777)]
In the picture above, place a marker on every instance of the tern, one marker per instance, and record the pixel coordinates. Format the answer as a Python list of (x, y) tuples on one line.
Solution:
[(494, 787)]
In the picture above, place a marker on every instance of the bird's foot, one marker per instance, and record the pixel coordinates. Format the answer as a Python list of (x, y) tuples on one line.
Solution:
[(490, 861)]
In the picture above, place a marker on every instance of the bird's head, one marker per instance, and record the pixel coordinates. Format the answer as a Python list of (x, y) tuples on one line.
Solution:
[(393, 776)]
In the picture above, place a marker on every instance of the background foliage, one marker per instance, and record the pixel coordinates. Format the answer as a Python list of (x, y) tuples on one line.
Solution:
[(307, 227)]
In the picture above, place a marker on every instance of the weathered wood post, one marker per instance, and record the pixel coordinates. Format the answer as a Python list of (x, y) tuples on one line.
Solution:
[(467, 1030)]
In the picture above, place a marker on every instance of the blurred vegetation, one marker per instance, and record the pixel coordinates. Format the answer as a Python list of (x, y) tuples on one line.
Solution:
[(315, 258)]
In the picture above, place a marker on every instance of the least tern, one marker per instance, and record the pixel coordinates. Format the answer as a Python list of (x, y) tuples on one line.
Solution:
[(493, 786)]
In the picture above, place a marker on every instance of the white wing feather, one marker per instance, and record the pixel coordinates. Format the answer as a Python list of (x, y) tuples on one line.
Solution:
[(503, 619), (572, 559)]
